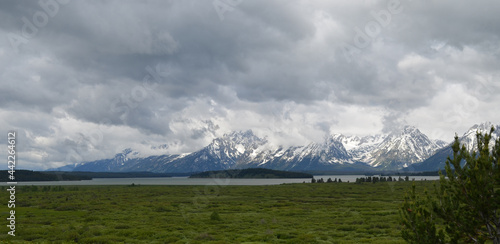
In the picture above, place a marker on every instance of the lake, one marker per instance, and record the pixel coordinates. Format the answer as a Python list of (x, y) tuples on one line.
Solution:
[(203, 181)]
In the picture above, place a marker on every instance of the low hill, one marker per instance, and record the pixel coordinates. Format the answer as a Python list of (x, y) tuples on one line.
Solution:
[(255, 173), (116, 174)]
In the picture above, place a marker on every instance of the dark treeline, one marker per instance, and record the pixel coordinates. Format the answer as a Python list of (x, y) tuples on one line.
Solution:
[(375, 179), (29, 175), (258, 173), (372, 179), (329, 180)]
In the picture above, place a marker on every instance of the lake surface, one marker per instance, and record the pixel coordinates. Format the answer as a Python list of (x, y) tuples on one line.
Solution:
[(189, 181)]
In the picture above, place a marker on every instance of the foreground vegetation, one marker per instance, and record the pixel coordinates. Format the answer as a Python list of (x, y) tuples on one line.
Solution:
[(291, 213), (466, 206)]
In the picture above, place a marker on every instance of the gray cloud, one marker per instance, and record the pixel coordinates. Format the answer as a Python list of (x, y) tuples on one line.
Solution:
[(172, 72)]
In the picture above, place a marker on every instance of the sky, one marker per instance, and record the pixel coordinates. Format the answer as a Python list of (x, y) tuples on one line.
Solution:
[(83, 80)]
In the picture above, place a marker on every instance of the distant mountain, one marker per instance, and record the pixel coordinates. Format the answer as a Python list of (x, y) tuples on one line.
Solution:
[(236, 150), (391, 151), (240, 150), (468, 139), (118, 163), (222, 153), (403, 148), (407, 148), (361, 148), (126, 161), (328, 155)]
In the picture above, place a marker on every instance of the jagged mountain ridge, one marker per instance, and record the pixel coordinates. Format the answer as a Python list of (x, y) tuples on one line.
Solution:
[(314, 156), (438, 160), (401, 149), (469, 139), (234, 150), (395, 150), (245, 149), (360, 147)]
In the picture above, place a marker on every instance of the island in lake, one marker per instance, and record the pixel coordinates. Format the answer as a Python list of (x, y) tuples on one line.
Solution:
[(255, 173)]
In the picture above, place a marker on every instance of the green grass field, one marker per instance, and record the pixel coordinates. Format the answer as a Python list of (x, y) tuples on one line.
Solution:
[(292, 213)]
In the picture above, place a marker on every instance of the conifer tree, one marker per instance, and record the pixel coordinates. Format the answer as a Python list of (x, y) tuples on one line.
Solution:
[(466, 204)]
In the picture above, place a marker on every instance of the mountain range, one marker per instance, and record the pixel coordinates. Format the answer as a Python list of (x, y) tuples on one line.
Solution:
[(406, 148)]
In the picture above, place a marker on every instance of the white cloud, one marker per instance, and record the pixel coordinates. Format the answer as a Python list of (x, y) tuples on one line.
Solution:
[(453, 110)]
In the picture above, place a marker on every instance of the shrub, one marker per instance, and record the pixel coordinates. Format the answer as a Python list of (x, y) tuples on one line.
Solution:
[(215, 216)]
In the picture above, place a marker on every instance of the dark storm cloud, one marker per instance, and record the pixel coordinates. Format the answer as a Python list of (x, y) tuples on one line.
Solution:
[(458, 23), (160, 68)]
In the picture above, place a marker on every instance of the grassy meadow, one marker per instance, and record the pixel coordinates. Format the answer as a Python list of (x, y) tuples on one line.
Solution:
[(291, 213)]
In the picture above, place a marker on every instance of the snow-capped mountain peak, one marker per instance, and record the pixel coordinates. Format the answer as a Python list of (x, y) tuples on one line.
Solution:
[(396, 149), (244, 140), (409, 129), (402, 148), (125, 155), (469, 139)]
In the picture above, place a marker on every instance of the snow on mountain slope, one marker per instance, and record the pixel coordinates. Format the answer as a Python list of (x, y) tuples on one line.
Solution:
[(438, 160), (329, 151), (469, 138), (391, 151), (441, 143), (222, 153), (245, 150), (121, 161), (236, 144), (402, 148), (360, 148), (309, 157)]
